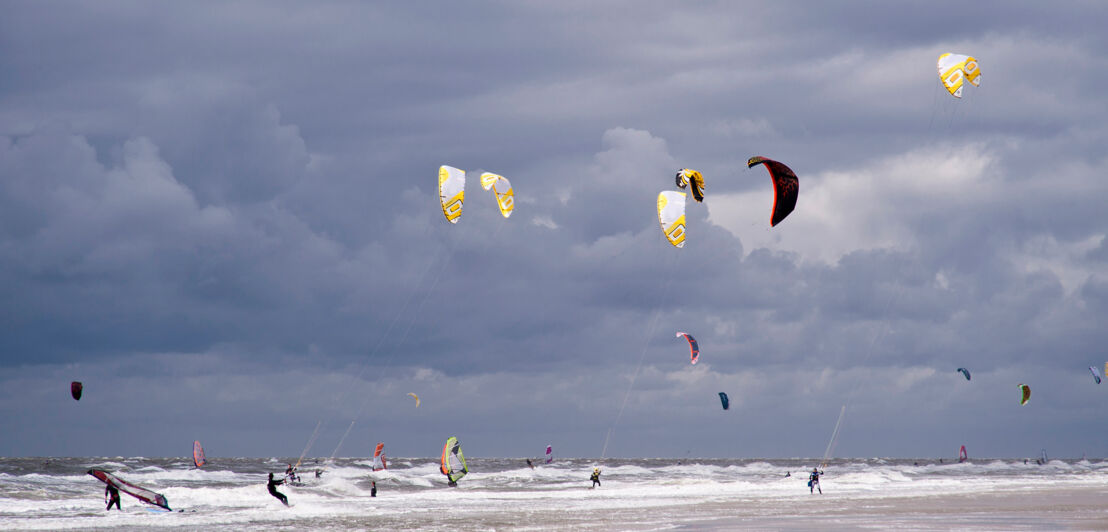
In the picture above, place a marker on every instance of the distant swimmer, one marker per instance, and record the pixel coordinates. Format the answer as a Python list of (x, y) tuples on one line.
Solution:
[(112, 496), (273, 489), (373, 490), (813, 481), (595, 478), (529, 464)]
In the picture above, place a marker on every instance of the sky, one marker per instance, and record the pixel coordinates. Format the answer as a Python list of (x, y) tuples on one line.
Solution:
[(223, 219)]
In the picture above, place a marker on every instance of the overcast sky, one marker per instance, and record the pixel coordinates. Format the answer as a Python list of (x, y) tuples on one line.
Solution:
[(223, 219)]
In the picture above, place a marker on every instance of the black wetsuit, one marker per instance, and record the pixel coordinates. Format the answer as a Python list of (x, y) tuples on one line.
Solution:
[(113, 497), (273, 483), (595, 478), (373, 491)]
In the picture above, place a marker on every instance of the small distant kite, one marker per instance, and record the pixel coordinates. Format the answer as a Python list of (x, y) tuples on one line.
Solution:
[(1026, 391), (75, 389), (964, 372), (416, 399), (724, 400), (1096, 376), (694, 348)]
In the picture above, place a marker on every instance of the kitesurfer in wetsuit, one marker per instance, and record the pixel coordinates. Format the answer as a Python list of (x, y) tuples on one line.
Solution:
[(373, 491), (595, 478), (290, 474), (272, 487), (529, 464), (112, 495), (813, 481)]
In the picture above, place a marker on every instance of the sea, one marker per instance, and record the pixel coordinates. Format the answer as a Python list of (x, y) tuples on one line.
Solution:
[(506, 494)]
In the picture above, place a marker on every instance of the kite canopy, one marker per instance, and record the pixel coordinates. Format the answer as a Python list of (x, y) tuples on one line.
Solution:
[(964, 372), (694, 348), (452, 191), (724, 400), (453, 461), (686, 177), (671, 214), (416, 397), (956, 68), (502, 188), (75, 389), (1095, 375), (1026, 391), (198, 454), (786, 186)]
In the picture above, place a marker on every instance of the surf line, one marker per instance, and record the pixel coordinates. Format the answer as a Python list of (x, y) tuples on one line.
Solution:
[(646, 345)]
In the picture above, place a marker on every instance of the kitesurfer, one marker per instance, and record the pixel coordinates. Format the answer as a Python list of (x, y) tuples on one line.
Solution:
[(595, 478), (373, 490), (529, 464), (813, 481), (272, 487), (112, 495), (318, 473), (788, 474), (290, 474)]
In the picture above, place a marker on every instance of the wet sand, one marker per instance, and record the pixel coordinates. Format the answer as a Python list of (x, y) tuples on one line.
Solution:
[(1002, 510)]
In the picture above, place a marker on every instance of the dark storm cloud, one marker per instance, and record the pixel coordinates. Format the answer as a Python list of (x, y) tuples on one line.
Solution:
[(230, 212)]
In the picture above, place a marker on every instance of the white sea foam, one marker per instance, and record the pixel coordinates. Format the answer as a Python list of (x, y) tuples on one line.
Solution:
[(505, 493)]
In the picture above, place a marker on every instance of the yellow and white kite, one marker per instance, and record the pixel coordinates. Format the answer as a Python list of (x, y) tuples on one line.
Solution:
[(956, 68), (505, 199), (452, 191), (671, 214)]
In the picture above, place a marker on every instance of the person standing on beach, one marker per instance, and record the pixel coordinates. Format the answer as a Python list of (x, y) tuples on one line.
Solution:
[(813, 481)]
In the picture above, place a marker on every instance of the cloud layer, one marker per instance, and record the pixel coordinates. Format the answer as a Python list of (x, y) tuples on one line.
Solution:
[(225, 223)]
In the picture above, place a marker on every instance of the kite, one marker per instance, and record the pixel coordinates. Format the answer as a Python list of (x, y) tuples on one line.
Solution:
[(956, 68), (687, 177), (671, 214), (694, 348), (786, 186), (502, 188), (1026, 391)]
